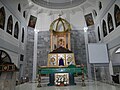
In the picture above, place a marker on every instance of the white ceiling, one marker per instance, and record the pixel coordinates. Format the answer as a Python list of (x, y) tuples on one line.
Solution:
[(59, 6)]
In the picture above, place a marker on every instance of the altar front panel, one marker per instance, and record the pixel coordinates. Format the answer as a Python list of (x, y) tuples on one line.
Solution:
[(61, 79)]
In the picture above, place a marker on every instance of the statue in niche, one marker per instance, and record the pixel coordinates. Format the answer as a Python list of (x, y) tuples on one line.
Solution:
[(55, 46), (61, 43), (61, 62), (66, 45)]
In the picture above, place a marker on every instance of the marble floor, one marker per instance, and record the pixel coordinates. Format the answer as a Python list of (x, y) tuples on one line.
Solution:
[(89, 86)]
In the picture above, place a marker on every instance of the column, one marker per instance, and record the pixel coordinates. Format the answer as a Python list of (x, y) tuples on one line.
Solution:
[(65, 40), (86, 47), (110, 70), (35, 56)]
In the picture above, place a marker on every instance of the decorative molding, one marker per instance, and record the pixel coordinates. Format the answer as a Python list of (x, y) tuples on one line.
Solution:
[(10, 47)]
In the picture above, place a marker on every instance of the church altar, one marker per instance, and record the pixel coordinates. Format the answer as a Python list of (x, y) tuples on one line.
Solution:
[(61, 66), (70, 70)]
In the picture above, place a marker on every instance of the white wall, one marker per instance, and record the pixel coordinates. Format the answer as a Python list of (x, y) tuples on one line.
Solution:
[(44, 20), (112, 39), (17, 46), (77, 20), (102, 15)]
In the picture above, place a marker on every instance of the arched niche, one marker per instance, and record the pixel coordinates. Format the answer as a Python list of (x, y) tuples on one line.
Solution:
[(19, 7), (116, 60), (2, 18), (10, 25), (117, 15), (100, 5), (110, 22), (16, 30), (99, 34), (22, 40), (104, 27)]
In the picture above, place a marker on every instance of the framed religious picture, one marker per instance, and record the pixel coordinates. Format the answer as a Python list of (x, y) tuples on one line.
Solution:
[(104, 28), (52, 60), (32, 21), (2, 17), (10, 25), (117, 15), (110, 23), (70, 59), (89, 19), (16, 30)]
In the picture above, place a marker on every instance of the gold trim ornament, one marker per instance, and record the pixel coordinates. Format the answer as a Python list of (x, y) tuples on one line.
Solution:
[(5, 67), (58, 23)]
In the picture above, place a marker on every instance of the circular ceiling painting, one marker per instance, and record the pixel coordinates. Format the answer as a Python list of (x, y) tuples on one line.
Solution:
[(58, 4)]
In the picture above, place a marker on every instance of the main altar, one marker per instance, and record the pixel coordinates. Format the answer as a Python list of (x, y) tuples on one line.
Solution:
[(61, 66)]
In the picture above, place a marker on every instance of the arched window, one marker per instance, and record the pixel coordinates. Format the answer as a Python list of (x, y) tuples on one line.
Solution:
[(10, 25), (117, 15), (100, 5), (16, 30), (104, 28), (99, 34), (19, 7), (4, 57), (110, 23), (2, 17), (22, 35), (94, 13), (117, 51), (24, 14)]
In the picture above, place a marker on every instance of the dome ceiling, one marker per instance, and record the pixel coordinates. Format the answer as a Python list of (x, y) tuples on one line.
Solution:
[(58, 4)]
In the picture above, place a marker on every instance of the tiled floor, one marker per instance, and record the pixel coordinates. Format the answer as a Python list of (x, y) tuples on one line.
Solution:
[(89, 86)]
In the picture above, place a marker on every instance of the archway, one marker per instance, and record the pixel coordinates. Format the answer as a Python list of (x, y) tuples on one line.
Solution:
[(7, 72), (116, 60), (4, 57)]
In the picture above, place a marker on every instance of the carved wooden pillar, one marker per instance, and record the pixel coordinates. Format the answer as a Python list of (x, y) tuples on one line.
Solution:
[(51, 41), (65, 40), (83, 77), (57, 40), (39, 81), (69, 44)]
